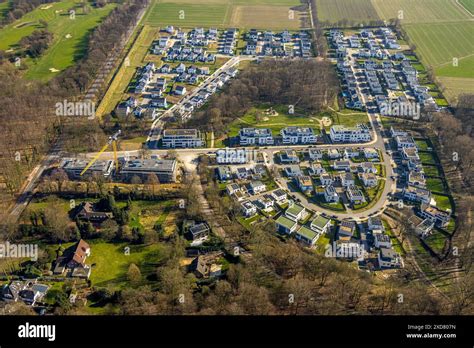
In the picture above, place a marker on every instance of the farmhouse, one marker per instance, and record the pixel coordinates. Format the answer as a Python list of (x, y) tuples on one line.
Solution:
[(87, 211)]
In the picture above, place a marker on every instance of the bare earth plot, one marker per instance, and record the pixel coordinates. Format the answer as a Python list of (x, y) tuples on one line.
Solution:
[(265, 14)]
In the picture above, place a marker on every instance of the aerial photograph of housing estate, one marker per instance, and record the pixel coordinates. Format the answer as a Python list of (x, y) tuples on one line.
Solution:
[(222, 158)]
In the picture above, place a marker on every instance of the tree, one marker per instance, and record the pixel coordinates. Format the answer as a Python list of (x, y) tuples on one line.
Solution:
[(109, 229), (58, 224), (133, 274), (135, 180), (152, 180)]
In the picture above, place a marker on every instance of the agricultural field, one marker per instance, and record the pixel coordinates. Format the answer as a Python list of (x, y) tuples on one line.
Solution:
[(334, 11), (69, 35), (263, 14), (468, 4), (438, 43), (421, 11), (441, 30)]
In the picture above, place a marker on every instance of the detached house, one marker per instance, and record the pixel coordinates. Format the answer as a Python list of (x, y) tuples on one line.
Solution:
[(295, 212), (307, 236)]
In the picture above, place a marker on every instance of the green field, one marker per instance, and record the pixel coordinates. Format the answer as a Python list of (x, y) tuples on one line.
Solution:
[(434, 184), (69, 35), (438, 44), (265, 14), (111, 262), (334, 11), (442, 202), (468, 4), (421, 11), (4, 7)]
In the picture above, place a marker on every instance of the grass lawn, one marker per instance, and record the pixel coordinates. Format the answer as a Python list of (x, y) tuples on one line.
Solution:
[(350, 118), (247, 222), (111, 263), (431, 170), (422, 144), (435, 184), (442, 202), (427, 158), (395, 242), (436, 241), (256, 117)]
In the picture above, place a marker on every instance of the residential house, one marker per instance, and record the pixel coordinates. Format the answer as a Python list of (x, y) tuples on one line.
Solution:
[(416, 194), (285, 224), (279, 195), (439, 217), (354, 195), (224, 173), (255, 187), (298, 135), (375, 224), (346, 230), (320, 224), (389, 258), (330, 194), (368, 179), (248, 209), (306, 236), (382, 241), (295, 212), (304, 183), (255, 136), (289, 156)]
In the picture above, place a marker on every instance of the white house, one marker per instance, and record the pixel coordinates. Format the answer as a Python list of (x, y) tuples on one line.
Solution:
[(255, 136), (295, 212), (343, 134), (320, 224), (248, 209), (298, 135)]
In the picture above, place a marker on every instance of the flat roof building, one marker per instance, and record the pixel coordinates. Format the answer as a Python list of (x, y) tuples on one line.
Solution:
[(173, 138), (74, 166), (165, 169)]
